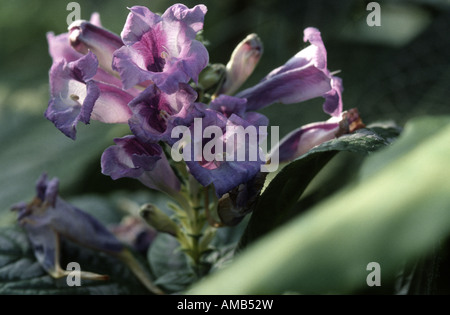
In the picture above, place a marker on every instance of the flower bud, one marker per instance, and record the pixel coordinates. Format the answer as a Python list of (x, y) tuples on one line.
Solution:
[(243, 61), (156, 218), (84, 36)]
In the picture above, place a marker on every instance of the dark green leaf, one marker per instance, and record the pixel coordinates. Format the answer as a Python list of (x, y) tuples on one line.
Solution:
[(274, 205), (165, 257)]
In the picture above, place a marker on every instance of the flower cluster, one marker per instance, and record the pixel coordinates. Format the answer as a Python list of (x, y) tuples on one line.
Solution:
[(157, 78), (149, 78)]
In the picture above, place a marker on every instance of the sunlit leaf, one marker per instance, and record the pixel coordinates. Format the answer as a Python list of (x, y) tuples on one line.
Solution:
[(391, 217)]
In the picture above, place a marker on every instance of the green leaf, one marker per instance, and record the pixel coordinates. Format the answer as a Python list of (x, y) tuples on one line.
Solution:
[(165, 257), (20, 273), (392, 217), (274, 205), (176, 281)]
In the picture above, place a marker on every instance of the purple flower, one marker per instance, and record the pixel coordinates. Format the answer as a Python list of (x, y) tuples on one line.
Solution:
[(303, 139), (303, 77), (162, 49), (155, 113), (81, 90), (48, 217), (144, 161), (76, 96), (219, 150)]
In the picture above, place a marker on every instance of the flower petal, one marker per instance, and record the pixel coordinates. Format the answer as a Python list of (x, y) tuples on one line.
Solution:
[(296, 85), (73, 93), (302, 77), (161, 49), (303, 139), (144, 161), (112, 105), (333, 98), (139, 21), (235, 167), (59, 48), (156, 113)]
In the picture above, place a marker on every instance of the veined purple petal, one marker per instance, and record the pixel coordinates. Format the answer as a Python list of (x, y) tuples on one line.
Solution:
[(139, 21), (144, 161), (85, 37), (73, 93), (155, 113), (161, 49)]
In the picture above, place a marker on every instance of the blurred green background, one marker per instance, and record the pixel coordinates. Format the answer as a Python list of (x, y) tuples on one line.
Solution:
[(393, 72)]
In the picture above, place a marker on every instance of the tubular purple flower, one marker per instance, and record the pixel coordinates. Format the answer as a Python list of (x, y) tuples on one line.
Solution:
[(243, 61), (162, 49), (303, 77), (48, 217), (79, 89), (155, 113), (73, 93), (144, 161), (303, 139), (221, 151), (76, 96), (85, 36)]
